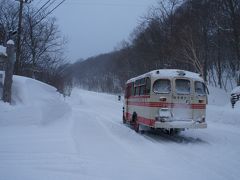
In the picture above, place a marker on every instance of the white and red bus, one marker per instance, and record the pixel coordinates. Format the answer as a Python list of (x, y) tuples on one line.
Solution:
[(167, 99)]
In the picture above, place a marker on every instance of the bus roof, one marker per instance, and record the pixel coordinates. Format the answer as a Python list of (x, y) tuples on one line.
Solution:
[(168, 73)]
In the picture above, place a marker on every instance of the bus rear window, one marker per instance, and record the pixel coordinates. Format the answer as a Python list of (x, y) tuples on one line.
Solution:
[(183, 86), (200, 88), (162, 86)]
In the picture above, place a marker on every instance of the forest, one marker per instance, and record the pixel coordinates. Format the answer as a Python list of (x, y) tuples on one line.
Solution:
[(202, 36)]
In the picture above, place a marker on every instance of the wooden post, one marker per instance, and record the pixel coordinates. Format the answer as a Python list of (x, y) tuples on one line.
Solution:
[(11, 58)]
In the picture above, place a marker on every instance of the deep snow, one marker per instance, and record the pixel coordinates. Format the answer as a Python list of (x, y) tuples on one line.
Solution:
[(46, 137), (2, 51)]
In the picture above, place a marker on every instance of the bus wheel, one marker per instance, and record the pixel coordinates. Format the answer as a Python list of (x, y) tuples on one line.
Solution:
[(134, 119), (134, 122), (136, 127)]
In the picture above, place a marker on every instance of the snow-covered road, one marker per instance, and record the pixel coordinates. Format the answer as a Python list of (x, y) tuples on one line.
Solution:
[(117, 152), (93, 144)]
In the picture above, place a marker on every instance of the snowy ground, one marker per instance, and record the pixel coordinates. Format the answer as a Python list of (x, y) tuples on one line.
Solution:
[(44, 137)]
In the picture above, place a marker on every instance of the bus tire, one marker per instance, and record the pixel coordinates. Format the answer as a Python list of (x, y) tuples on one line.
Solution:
[(134, 122), (134, 118), (136, 127)]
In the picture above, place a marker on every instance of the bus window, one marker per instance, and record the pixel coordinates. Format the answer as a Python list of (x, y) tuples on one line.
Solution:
[(142, 90), (128, 91), (137, 91), (200, 88), (183, 86), (132, 89), (162, 86), (142, 81), (148, 86)]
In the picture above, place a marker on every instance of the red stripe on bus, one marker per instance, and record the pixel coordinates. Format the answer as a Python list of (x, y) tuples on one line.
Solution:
[(142, 120), (168, 105), (139, 97), (146, 121)]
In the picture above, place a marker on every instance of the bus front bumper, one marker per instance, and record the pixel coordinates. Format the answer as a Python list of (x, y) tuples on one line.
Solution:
[(180, 125)]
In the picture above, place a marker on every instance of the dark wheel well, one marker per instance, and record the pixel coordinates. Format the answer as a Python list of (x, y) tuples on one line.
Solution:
[(134, 122), (134, 117)]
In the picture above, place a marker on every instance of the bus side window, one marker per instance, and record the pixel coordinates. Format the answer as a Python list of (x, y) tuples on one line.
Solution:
[(142, 90), (128, 91), (125, 95), (136, 93), (148, 86), (132, 89)]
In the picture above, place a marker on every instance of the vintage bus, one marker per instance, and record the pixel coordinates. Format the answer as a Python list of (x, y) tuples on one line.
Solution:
[(167, 99)]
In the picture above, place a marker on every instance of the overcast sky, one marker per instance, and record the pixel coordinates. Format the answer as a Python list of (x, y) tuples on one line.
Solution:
[(97, 26)]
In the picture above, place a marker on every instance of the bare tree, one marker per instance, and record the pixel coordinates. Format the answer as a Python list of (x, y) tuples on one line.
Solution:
[(190, 51), (232, 9), (42, 39)]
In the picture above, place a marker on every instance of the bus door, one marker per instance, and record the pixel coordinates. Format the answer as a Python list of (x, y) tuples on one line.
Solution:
[(182, 99)]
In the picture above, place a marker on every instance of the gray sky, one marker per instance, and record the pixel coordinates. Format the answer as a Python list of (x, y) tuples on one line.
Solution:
[(97, 26)]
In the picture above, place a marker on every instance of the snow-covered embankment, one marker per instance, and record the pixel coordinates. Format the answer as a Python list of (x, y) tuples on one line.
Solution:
[(34, 103)]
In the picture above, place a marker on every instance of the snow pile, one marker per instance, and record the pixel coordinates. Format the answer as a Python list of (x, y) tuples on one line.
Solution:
[(34, 103), (218, 96), (236, 90), (10, 42), (3, 51), (220, 108)]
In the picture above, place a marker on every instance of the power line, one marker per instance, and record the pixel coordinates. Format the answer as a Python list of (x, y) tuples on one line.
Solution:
[(49, 12), (50, 4), (39, 2), (108, 3), (40, 8)]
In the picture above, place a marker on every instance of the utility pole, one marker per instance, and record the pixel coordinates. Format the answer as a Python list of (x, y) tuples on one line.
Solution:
[(7, 87), (19, 33)]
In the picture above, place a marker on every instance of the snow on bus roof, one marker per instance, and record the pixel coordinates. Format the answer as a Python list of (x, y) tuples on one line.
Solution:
[(168, 73)]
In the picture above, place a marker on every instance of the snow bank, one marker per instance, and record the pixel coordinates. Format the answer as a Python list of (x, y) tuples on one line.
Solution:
[(218, 96), (236, 90), (34, 103), (2, 51), (220, 108)]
